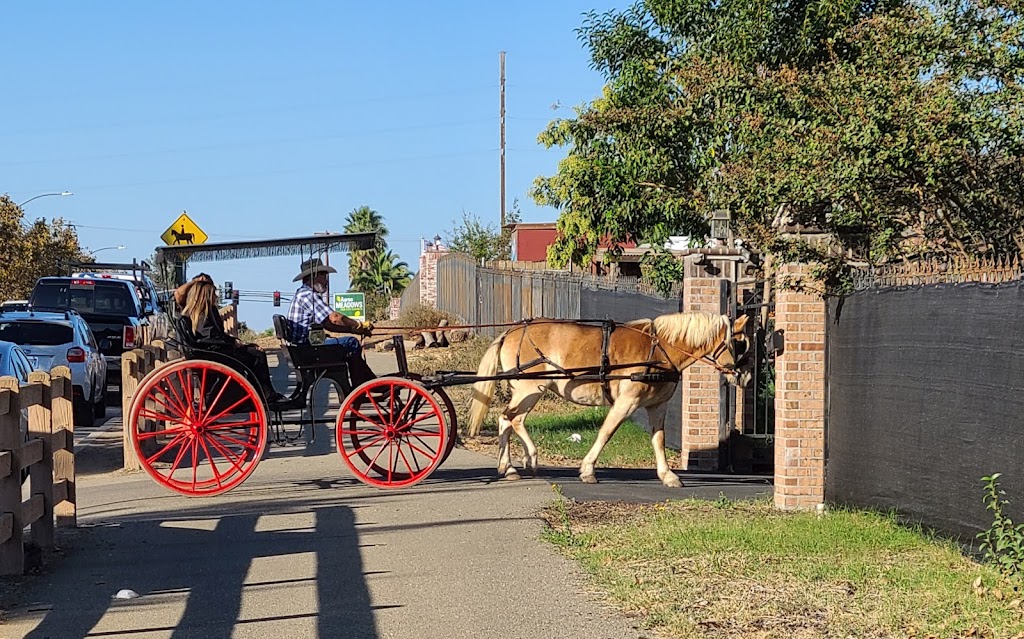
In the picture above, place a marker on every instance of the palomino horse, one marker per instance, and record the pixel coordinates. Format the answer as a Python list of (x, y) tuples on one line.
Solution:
[(669, 343)]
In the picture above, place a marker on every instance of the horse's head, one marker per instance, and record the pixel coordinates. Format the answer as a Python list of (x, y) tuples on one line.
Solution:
[(732, 353)]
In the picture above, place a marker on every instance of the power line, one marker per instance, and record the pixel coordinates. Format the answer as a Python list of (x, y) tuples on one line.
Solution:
[(317, 168), (269, 112), (223, 147)]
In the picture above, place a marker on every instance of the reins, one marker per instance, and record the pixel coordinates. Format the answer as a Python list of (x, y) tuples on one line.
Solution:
[(527, 322)]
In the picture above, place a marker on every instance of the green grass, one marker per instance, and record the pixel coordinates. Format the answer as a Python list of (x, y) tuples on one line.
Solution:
[(629, 447), (723, 569)]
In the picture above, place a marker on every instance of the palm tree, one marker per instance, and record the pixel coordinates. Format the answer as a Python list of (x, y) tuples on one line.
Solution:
[(365, 220), (386, 275)]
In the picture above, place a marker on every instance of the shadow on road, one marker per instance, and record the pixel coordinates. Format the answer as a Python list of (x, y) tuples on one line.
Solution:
[(209, 569)]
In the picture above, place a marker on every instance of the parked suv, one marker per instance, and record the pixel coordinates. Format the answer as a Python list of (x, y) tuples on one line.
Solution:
[(50, 338), (153, 307), (13, 363), (111, 308)]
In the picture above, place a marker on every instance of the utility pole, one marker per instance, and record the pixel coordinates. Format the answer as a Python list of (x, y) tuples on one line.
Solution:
[(502, 119)]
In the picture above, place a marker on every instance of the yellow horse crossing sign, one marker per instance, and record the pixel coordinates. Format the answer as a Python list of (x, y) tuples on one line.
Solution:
[(184, 231)]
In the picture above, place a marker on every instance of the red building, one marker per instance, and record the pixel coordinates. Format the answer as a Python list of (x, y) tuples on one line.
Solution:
[(530, 241)]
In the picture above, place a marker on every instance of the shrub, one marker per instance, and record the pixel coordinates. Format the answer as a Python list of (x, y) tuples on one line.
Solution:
[(1003, 542), (422, 316)]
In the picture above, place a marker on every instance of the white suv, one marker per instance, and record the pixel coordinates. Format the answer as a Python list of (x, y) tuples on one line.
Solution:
[(53, 337)]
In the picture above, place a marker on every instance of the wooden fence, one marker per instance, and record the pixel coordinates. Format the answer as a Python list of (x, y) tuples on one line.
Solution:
[(135, 365), (492, 295), (46, 451)]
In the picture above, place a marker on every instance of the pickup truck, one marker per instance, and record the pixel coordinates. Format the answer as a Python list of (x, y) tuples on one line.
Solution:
[(111, 308)]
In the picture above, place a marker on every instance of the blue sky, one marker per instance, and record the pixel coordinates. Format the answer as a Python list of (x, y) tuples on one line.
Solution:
[(266, 119)]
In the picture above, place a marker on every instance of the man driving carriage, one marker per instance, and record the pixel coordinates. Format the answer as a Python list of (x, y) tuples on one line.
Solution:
[(308, 309)]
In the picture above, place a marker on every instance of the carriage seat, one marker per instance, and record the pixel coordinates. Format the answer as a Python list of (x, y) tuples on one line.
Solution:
[(305, 356), (188, 341)]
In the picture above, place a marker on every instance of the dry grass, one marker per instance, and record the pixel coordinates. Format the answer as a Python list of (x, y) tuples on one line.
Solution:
[(726, 570)]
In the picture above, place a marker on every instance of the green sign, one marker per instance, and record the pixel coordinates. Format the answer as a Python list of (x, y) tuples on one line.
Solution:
[(351, 305)]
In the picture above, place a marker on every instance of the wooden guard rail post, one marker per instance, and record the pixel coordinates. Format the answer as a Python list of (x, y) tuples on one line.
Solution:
[(135, 365), (48, 455)]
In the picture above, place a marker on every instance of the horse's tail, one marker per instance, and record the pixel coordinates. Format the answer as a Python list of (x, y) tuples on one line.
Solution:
[(483, 391)]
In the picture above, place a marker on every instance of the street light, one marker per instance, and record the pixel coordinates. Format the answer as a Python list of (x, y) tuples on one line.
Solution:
[(106, 248), (62, 194)]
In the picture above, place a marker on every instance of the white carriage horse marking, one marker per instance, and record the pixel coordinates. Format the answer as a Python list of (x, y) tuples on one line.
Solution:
[(561, 349)]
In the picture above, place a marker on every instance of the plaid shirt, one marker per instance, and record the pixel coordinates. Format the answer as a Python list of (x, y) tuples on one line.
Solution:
[(307, 308)]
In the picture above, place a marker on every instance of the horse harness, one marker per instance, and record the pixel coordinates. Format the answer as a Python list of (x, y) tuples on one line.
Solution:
[(655, 369)]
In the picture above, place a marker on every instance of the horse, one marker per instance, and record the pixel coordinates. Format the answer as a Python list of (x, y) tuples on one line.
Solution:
[(554, 352), (180, 236)]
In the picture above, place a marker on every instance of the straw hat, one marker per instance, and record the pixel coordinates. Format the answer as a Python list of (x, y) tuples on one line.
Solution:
[(314, 266)]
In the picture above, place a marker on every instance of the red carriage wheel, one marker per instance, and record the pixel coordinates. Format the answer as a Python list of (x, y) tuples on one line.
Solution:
[(198, 427), (449, 415), (391, 432)]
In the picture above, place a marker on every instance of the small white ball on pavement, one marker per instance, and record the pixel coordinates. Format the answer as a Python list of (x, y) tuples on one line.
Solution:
[(126, 594)]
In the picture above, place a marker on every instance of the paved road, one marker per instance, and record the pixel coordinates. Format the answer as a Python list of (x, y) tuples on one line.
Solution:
[(304, 550)]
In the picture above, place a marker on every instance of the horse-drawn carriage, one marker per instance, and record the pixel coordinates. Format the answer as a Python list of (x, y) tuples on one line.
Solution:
[(201, 424)]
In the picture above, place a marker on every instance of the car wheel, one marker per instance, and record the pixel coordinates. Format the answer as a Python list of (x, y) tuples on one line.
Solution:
[(84, 415), (99, 407)]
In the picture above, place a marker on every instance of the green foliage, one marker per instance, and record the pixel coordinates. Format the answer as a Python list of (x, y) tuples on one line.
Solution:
[(383, 274), (1003, 542), (365, 220), (483, 242), (895, 126), (377, 272), (31, 250)]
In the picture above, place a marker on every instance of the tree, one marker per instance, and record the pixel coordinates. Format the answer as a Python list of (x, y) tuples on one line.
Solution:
[(31, 251), (483, 242), (386, 275), (365, 220), (894, 126)]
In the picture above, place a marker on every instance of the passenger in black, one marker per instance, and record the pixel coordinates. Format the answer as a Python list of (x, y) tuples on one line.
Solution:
[(198, 301)]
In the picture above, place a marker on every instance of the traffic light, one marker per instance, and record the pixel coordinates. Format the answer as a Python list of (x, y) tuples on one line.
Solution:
[(229, 291), (277, 298), (234, 297)]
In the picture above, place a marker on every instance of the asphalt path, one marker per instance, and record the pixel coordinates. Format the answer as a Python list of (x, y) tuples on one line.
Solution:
[(302, 549)]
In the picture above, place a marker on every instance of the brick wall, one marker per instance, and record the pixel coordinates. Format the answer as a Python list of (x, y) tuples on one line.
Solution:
[(428, 275), (799, 393), (701, 382)]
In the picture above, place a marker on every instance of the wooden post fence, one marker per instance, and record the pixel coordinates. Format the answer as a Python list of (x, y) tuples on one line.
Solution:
[(135, 365), (45, 448)]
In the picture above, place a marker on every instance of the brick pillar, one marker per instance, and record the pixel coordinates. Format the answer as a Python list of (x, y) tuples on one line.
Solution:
[(701, 383), (799, 393), (428, 275)]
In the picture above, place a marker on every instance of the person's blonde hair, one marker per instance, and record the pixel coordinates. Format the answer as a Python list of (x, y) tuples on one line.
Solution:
[(200, 302)]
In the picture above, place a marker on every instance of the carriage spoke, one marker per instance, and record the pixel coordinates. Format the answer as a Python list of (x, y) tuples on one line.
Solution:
[(213, 464), (209, 409), (189, 394), (236, 458), (177, 460), (367, 419), (172, 397), (170, 409), (228, 410), (368, 444), (432, 452), (401, 454), (152, 414), (176, 440), (195, 462), (162, 433), (237, 442), (231, 425)]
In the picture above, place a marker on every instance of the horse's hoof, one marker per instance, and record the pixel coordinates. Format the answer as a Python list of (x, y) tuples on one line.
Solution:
[(512, 475), (672, 482), (588, 479)]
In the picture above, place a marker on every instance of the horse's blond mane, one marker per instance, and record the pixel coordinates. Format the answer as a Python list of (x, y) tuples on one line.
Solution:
[(698, 329)]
